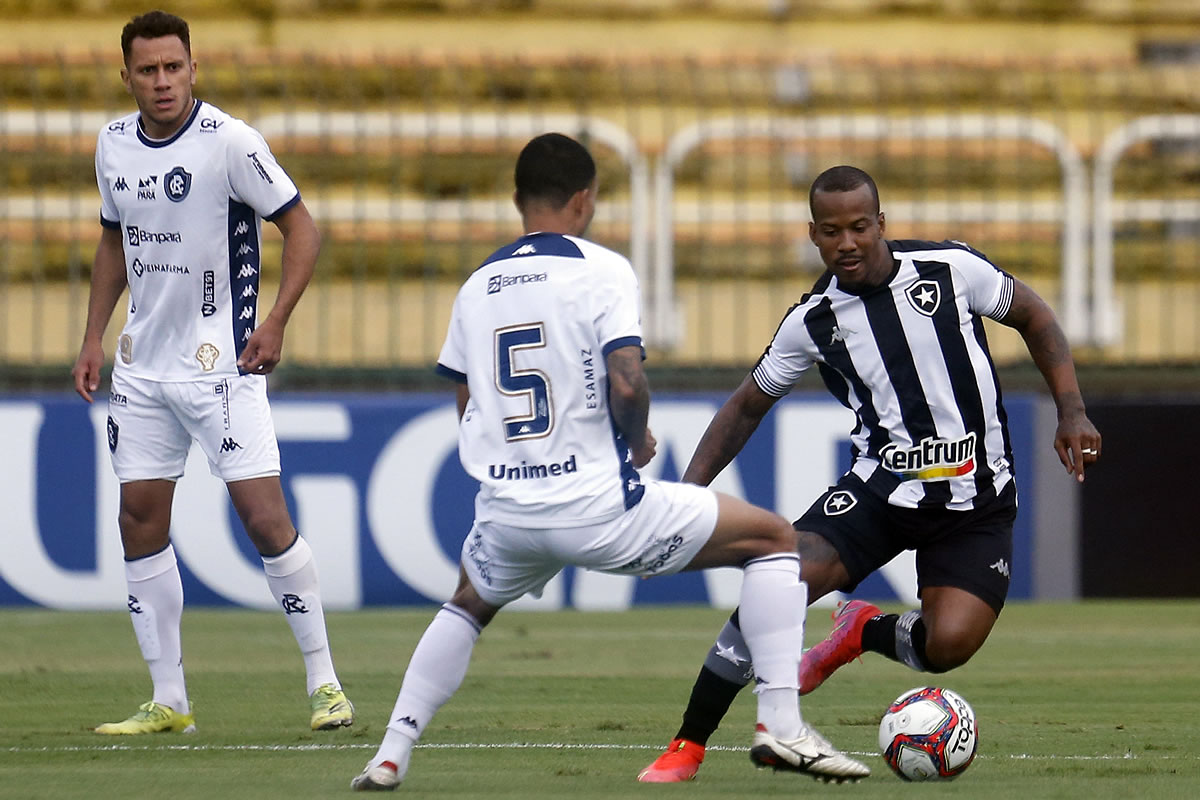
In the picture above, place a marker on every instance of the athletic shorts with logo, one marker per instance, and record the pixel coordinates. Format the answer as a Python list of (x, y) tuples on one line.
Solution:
[(151, 426), (658, 536), (969, 550)]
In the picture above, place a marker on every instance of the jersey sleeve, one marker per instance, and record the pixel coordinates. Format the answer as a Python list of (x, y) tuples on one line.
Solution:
[(110, 217), (255, 176), (787, 357), (452, 361), (989, 289), (617, 309)]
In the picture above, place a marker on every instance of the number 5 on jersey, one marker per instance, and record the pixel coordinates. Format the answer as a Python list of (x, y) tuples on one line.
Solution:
[(529, 383)]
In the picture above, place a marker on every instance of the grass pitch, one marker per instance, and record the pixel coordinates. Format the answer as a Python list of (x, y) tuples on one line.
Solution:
[(1095, 700)]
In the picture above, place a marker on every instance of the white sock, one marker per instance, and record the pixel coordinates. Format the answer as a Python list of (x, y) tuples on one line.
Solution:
[(292, 577), (156, 609), (772, 610), (434, 674)]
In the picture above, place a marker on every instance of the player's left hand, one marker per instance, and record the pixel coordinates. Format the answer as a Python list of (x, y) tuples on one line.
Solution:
[(1077, 442), (643, 454), (263, 349)]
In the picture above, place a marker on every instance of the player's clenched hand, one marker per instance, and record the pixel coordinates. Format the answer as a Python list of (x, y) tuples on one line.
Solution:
[(1077, 442), (263, 349), (643, 454), (87, 369)]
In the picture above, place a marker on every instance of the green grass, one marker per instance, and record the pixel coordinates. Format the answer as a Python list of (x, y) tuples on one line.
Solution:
[(1095, 700)]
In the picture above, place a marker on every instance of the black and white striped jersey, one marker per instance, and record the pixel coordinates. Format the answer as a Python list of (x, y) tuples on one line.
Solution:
[(910, 358)]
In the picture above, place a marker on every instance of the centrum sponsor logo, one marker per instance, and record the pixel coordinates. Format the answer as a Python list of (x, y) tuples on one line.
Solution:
[(931, 459)]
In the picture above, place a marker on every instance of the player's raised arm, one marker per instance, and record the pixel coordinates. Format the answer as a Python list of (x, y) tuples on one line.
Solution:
[(301, 245), (629, 396), (108, 282), (727, 433), (1077, 441)]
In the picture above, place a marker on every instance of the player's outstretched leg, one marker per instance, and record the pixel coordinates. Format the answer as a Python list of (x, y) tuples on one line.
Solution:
[(809, 753), (840, 647)]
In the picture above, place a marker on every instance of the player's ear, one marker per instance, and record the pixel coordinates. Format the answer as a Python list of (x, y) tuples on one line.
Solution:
[(126, 80), (812, 232), (193, 73), (882, 223)]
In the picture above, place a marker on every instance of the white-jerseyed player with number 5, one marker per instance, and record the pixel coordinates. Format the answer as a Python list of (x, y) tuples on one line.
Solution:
[(545, 345), (184, 189)]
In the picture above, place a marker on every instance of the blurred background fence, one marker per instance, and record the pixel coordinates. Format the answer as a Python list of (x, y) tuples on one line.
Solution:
[(1077, 172)]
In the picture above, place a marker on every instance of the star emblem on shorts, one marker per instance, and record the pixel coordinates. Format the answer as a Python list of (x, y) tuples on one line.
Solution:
[(839, 502)]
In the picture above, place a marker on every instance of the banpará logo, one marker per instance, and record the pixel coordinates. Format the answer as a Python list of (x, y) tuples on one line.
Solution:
[(498, 282), (138, 237)]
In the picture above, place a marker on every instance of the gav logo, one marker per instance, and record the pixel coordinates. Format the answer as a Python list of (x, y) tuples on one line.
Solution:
[(178, 183), (207, 124)]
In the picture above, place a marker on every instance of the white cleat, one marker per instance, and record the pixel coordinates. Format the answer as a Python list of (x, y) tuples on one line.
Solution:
[(383, 777), (809, 753)]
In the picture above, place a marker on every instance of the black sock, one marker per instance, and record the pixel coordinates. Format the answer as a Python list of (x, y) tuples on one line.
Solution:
[(880, 635), (711, 698)]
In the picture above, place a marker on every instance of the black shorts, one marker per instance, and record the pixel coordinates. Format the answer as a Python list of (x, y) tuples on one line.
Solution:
[(969, 550)]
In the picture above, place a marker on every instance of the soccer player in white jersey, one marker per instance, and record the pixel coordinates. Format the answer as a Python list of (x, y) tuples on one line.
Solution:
[(545, 345), (895, 329), (184, 188)]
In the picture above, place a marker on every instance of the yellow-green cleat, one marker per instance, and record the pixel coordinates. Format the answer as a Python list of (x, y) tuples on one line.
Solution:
[(151, 718), (330, 708)]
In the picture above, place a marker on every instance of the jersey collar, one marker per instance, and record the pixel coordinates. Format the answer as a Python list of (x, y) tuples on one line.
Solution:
[(146, 140)]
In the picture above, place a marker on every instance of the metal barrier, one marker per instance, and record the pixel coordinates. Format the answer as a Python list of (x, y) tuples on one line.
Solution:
[(1073, 217)]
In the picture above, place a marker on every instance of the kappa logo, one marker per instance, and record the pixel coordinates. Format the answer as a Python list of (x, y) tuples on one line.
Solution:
[(135, 605), (228, 445), (839, 503), (178, 183), (114, 433), (293, 603), (247, 312), (525, 250), (925, 296), (247, 271), (409, 721), (249, 292), (241, 229), (244, 249), (1000, 566), (121, 185), (840, 334)]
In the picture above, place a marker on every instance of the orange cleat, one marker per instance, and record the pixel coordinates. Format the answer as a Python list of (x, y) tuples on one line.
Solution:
[(840, 647), (679, 763)]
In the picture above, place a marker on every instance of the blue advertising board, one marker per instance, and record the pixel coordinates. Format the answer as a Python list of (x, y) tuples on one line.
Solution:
[(375, 486)]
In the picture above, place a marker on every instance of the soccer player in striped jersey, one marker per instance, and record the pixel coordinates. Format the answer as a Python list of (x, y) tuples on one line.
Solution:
[(545, 347), (895, 329), (184, 188)]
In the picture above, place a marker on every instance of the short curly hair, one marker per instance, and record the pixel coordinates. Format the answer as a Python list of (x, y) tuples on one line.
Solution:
[(153, 25)]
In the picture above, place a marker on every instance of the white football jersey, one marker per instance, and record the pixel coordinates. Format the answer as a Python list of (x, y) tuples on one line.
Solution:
[(529, 334), (190, 211)]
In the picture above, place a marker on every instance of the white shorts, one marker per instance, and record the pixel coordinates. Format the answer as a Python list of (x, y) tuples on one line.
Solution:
[(151, 426), (659, 536)]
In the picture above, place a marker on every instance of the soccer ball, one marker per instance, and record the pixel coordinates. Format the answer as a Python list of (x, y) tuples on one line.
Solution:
[(928, 734)]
